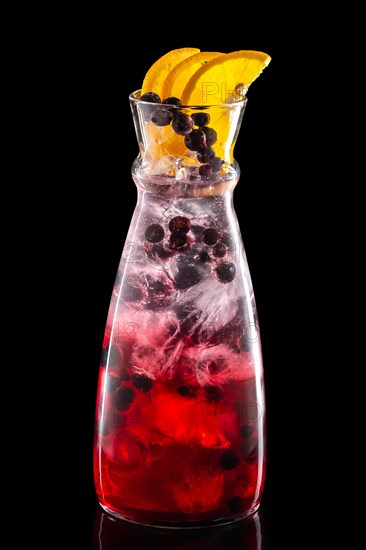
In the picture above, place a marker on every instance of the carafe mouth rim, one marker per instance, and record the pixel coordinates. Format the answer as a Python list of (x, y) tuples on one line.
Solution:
[(134, 97)]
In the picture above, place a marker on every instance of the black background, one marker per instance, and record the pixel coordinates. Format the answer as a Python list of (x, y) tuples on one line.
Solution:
[(90, 200)]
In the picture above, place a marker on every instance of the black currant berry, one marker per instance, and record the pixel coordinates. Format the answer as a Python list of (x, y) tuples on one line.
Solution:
[(182, 124), (246, 430), (172, 101), (205, 171), (201, 119), (216, 164), (213, 393), (123, 398), (161, 117), (226, 272), (178, 240), (211, 135), (229, 460), (205, 154), (219, 250), (235, 504), (142, 383), (150, 97), (187, 391), (154, 233), (210, 236), (194, 140), (180, 223)]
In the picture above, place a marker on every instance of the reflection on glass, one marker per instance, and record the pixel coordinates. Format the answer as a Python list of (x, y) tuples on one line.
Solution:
[(111, 533)]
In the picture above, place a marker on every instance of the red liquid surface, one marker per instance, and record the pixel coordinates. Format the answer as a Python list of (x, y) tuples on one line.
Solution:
[(173, 451)]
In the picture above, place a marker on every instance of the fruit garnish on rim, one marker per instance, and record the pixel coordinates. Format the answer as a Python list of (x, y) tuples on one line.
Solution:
[(188, 78), (224, 78), (156, 75), (178, 77)]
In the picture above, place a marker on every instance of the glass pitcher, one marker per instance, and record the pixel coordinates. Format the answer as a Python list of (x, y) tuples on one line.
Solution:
[(180, 434)]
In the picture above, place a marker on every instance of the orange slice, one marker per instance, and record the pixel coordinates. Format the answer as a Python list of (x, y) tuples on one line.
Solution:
[(217, 80), (201, 79), (156, 75), (224, 79), (178, 77)]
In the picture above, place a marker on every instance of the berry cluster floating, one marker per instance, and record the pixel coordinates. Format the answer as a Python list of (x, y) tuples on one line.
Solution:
[(198, 136), (217, 244)]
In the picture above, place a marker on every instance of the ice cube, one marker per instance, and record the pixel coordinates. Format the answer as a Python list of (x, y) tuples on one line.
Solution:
[(184, 418), (195, 488), (212, 300)]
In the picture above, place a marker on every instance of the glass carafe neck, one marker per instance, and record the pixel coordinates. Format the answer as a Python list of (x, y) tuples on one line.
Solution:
[(188, 147)]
